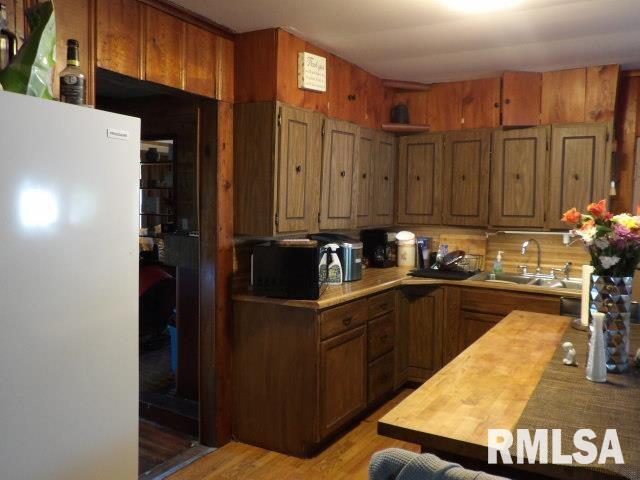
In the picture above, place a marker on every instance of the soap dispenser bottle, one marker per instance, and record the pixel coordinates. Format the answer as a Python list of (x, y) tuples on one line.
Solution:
[(335, 267), (497, 264)]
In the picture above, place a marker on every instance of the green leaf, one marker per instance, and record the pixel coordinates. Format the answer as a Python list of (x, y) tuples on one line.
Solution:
[(31, 70)]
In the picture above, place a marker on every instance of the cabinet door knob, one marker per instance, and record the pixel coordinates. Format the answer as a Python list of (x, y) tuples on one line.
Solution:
[(298, 168), (418, 177), (343, 173), (496, 105), (576, 176), (464, 178), (507, 101), (364, 175), (386, 178), (517, 176), (347, 321)]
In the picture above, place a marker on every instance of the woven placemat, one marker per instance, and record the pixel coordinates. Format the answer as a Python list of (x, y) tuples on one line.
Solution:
[(565, 399)]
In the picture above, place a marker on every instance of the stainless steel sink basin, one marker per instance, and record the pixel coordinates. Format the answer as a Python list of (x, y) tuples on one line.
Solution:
[(537, 281)]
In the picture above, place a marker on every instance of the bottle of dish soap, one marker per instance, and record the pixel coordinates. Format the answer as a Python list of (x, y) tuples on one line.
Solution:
[(335, 267), (497, 265)]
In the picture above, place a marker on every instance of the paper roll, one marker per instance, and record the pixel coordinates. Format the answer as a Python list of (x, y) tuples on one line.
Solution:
[(587, 270)]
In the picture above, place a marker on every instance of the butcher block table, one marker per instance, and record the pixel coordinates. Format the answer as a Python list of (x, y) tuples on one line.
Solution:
[(511, 378)]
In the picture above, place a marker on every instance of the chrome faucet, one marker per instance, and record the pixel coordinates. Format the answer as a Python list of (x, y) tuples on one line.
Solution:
[(523, 252)]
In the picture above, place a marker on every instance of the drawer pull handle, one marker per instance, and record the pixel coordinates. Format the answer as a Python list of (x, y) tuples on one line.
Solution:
[(347, 321), (383, 338), (383, 306)]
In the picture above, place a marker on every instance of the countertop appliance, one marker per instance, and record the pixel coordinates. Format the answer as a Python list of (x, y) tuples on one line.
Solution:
[(379, 247), (285, 269), (68, 290), (350, 253)]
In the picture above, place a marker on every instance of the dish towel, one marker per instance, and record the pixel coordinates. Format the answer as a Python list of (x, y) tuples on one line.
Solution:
[(398, 464)]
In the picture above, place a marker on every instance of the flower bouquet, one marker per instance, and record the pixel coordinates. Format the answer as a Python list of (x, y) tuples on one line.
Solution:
[(613, 241)]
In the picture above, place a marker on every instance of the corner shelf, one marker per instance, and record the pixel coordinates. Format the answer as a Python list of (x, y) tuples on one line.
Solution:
[(405, 128)]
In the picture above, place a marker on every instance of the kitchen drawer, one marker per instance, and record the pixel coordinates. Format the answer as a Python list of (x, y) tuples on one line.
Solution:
[(382, 303), (340, 319), (496, 302), (380, 378), (380, 337)]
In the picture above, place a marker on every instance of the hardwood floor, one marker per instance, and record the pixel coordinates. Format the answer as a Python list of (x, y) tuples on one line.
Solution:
[(347, 458), (158, 444)]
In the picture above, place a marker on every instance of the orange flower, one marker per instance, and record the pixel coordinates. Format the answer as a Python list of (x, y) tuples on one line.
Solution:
[(598, 209), (588, 225), (572, 216)]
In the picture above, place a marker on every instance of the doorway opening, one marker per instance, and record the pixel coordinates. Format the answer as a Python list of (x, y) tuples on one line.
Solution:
[(169, 274)]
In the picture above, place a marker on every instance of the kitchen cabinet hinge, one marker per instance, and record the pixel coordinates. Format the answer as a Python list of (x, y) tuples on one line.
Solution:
[(277, 219), (607, 137), (318, 217), (323, 126), (280, 117)]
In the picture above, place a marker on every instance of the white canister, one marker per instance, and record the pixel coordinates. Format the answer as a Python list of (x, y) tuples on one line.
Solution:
[(406, 249)]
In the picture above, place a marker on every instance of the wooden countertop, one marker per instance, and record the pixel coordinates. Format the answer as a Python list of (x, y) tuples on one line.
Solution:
[(486, 386), (376, 280)]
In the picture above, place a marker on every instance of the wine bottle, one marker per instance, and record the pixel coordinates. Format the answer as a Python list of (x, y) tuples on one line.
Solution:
[(72, 78)]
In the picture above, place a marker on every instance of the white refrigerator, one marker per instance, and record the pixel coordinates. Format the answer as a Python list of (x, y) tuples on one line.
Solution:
[(69, 179)]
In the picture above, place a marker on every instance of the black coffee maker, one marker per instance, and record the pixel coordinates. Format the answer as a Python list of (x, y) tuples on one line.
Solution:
[(8, 40), (379, 248)]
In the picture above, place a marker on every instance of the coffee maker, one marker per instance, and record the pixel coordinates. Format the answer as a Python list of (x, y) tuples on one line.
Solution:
[(379, 248), (8, 40)]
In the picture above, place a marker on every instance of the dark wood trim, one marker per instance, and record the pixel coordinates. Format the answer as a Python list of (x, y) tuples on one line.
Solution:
[(93, 54), (191, 17), (216, 267)]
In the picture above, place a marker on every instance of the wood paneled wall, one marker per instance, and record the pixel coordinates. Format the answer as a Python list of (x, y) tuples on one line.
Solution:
[(267, 70), (627, 131)]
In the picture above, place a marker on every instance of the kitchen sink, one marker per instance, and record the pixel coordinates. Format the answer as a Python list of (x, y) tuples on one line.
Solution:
[(537, 281)]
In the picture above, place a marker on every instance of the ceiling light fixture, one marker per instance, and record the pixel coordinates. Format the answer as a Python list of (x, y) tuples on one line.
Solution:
[(480, 6)]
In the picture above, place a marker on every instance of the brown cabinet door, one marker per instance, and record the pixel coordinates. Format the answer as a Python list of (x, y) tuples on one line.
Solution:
[(420, 179), (298, 170), (578, 169), (118, 36), (384, 163), (444, 106), (466, 178), (474, 325), (481, 103), (521, 96), (424, 309), (164, 35), (200, 61), (518, 177), (563, 96), (366, 154), (339, 172), (343, 379)]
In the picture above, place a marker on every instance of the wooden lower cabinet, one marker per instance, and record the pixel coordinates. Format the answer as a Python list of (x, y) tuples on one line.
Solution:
[(300, 375), (343, 387), (420, 320), (471, 312)]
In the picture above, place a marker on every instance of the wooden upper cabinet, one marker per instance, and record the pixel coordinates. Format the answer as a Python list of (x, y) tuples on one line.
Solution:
[(200, 61), (563, 96), (481, 103), (420, 179), (366, 155), (382, 193), (224, 72), (466, 178), (521, 97), (579, 168), (119, 37), (444, 106), (339, 172), (164, 40), (343, 379), (298, 170), (518, 177)]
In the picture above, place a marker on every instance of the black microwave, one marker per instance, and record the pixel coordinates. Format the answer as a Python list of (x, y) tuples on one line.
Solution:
[(287, 269)]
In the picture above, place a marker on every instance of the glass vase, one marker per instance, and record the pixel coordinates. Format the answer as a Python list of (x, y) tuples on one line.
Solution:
[(612, 296)]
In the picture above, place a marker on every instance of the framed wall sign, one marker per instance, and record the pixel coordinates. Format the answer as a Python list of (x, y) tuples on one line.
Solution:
[(312, 72)]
